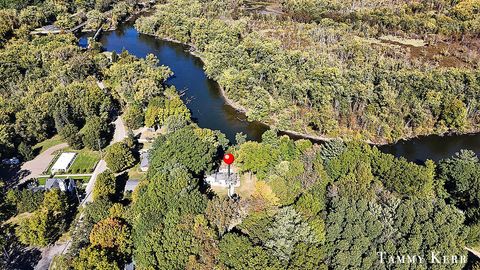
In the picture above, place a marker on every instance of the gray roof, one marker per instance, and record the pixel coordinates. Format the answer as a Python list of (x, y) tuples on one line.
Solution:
[(62, 184), (53, 183), (131, 185), (144, 159)]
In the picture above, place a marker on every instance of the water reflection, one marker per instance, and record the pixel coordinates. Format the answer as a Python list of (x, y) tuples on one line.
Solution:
[(202, 96)]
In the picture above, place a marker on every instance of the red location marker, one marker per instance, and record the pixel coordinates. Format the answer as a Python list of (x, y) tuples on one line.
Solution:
[(228, 158)]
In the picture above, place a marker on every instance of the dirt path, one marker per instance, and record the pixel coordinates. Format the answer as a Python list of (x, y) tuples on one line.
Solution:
[(48, 254), (35, 167)]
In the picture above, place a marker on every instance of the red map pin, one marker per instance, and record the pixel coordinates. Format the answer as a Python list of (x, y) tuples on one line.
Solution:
[(228, 158)]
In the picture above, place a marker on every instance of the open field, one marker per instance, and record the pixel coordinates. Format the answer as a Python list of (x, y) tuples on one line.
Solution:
[(42, 146), (84, 162)]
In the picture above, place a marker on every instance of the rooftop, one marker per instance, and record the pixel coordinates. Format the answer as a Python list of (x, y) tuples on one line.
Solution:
[(131, 185), (62, 184), (144, 159), (63, 162)]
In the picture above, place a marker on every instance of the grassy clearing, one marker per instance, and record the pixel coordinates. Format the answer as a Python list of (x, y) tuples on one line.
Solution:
[(247, 185), (42, 146), (136, 173), (84, 162), (404, 41)]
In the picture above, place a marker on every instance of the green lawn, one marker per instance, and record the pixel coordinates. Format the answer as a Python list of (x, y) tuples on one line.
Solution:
[(42, 146), (136, 173), (84, 162)]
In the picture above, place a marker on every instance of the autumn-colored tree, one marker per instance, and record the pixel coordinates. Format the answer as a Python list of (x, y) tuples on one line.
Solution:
[(112, 233)]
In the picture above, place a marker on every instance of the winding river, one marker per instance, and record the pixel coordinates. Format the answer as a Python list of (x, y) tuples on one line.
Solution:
[(209, 110)]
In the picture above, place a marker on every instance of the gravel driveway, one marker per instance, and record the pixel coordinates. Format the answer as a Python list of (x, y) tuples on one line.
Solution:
[(35, 167)]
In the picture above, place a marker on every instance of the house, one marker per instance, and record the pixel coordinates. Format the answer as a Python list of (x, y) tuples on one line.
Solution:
[(63, 163), (221, 178), (144, 162), (65, 185)]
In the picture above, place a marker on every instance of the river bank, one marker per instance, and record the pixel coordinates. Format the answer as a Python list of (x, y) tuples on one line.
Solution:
[(296, 134), (212, 108)]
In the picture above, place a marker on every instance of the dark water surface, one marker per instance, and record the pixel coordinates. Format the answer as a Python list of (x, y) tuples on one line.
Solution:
[(209, 110), (202, 95)]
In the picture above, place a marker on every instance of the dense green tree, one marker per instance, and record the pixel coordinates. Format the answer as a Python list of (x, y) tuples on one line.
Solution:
[(256, 157), (175, 122), (111, 233), (70, 133), (119, 157), (24, 200), (97, 210), (159, 110), (45, 224), (105, 185), (95, 133), (137, 80), (25, 151), (95, 258), (286, 232), (183, 148), (460, 175), (163, 220), (331, 149), (237, 252), (134, 116)]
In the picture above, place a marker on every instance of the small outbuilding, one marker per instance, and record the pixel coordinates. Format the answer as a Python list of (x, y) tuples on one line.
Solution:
[(63, 162)]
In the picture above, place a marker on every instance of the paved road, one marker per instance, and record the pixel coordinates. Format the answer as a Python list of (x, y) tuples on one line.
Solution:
[(58, 248), (101, 167), (119, 134), (120, 130), (39, 164), (48, 254)]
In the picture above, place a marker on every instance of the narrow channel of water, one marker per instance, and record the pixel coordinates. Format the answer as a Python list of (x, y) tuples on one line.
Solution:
[(209, 110)]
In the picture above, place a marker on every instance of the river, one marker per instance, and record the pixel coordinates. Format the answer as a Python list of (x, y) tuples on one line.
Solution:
[(209, 110)]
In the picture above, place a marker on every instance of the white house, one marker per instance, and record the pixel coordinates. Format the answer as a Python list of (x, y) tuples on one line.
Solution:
[(222, 179), (63, 162)]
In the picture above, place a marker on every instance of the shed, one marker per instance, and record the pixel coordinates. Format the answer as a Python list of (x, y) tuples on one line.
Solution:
[(63, 162)]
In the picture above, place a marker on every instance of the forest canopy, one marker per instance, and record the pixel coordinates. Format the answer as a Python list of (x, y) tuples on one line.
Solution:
[(338, 68)]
